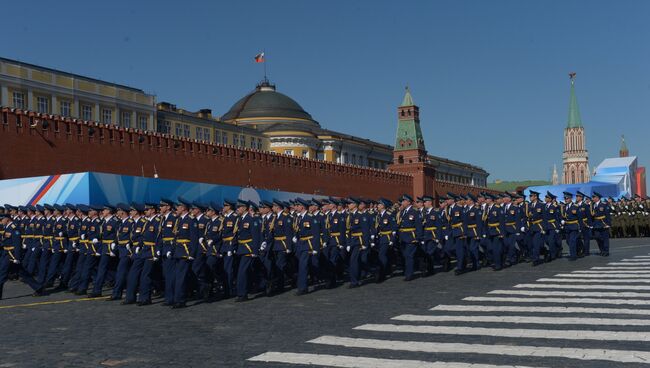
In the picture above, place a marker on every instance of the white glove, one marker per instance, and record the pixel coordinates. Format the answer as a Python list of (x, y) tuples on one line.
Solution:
[(128, 246), (372, 245), (523, 229), (201, 240), (111, 254), (562, 222), (314, 252), (557, 231), (24, 246), (137, 250), (229, 254), (439, 246), (168, 254), (74, 245), (484, 236), (158, 253), (347, 248), (372, 236), (60, 233), (155, 259), (263, 246), (83, 236), (295, 240), (65, 251), (190, 258), (95, 241), (15, 261), (288, 251), (390, 243), (394, 232), (446, 237), (112, 246), (33, 249), (210, 241), (97, 255)]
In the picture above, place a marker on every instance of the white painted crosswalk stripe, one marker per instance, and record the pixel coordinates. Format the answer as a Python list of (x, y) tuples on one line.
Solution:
[(512, 332), (583, 287), (597, 281), (557, 300), (539, 309), (602, 272), (629, 263), (641, 256), (634, 260), (621, 268), (593, 294), (606, 276), (621, 356), (525, 319), (346, 361)]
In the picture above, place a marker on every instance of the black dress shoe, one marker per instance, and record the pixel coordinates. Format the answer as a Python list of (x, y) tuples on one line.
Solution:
[(113, 298), (301, 292), (605, 254), (179, 306), (127, 302), (165, 304), (497, 268), (537, 263), (241, 299), (353, 286), (146, 302), (79, 292), (572, 259), (459, 272), (94, 295), (38, 292)]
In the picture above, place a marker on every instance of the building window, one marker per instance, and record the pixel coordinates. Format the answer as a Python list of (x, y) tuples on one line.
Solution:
[(242, 140), (126, 119), (19, 100), (43, 105), (259, 144), (65, 108), (253, 145), (224, 138), (235, 139), (288, 152), (354, 160), (143, 123), (164, 126), (305, 153), (107, 116), (202, 134), (182, 130), (87, 112), (217, 136), (186, 130), (345, 158)]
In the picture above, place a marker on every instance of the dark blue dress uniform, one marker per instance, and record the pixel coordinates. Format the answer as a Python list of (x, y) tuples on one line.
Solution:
[(307, 236), (601, 223), (10, 254), (473, 224), (494, 232), (512, 223), (81, 249), (59, 246), (47, 243), (186, 243), (167, 234), (29, 241), (431, 230), (584, 238), (213, 240), (93, 253), (124, 252), (37, 244), (147, 246), (552, 218), (72, 249), (334, 250), (199, 265), (536, 229), (108, 232), (571, 222), (457, 242), (229, 227), (409, 234), (386, 230), (282, 233), (359, 239), (248, 243)]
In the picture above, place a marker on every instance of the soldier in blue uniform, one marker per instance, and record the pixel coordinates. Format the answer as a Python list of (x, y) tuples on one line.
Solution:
[(185, 245), (93, 249), (409, 234), (10, 254), (494, 231), (602, 222), (107, 247), (213, 239), (386, 230), (47, 224), (571, 223), (229, 227), (457, 239), (199, 265), (537, 227), (266, 219), (28, 236), (49, 271), (124, 248), (146, 243), (513, 224), (81, 247), (167, 235), (358, 235), (37, 242), (431, 246), (584, 237), (307, 243), (248, 236), (282, 232), (71, 252), (473, 228), (552, 218)]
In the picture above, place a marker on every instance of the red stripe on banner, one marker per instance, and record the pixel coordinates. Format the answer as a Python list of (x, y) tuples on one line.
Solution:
[(44, 190)]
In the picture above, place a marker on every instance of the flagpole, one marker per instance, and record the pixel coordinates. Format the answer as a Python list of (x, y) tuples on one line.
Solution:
[(264, 62)]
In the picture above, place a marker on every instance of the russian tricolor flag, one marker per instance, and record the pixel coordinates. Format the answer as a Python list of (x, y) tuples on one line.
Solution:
[(259, 58)]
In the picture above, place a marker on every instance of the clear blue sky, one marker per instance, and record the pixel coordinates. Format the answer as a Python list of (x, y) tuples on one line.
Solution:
[(490, 77)]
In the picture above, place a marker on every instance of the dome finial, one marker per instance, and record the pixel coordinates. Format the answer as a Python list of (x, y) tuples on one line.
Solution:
[(408, 99)]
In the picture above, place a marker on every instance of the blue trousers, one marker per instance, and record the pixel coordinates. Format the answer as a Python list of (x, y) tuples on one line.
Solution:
[(68, 267), (356, 264), (34, 258), (121, 276), (53, 267), (495, 246), (5, 263), (280, 264), (75, 280), (181, 271), (572, 239), (243, 273), (383, 261), (602, 239), (409, 250), (168, 265), (139, 280), (88, 272), (537, 241), (460, 244), (43, 264), (202, 272), (305, 262), (551, 241), (102, 271), (510, 243), (228, 273), (586, 239), (473, 244)]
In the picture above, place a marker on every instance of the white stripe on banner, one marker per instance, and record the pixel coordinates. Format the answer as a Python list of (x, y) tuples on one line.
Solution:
[(526, 319), (605, 272), (345, 361), (582, 287), (604, 294), (629, 263), (597, 281), (620, 268), (557, 300), (606, 275), (621, 356), (538, 309), (515, 332)]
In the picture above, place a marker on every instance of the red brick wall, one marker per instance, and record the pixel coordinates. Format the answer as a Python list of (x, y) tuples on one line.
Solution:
[(66, 147)]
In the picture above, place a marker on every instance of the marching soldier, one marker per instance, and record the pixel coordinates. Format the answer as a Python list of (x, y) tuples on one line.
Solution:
[(108, 233), (601, 223), (146, 243), (92, 237), (584, 235), (282, 232), (473, 230), (571, 223), (494, 232), (167, 235), (248, 241), (199, 265), (307, 241), (71, 251), (229, 227), (513, 225), (409, 225), (10, 254), (185, 244), (552, 218), (213, 239), (386, 229), (124, 248)]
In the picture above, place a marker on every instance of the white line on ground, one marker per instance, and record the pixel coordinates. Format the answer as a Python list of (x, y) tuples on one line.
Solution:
[(538, 309), (606, 275), (526, 319), (514, 332), (634, 260), (621, 268), (605, 272), (597, 281), (596, 294), (582, 287), (629, 263), (345, 361), (622, 356), (557, 300)]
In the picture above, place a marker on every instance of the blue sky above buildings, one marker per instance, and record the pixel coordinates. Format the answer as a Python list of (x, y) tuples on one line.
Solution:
[(490, 77)]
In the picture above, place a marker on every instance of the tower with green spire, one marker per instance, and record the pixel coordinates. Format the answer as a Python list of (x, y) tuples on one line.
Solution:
[(623, 152), (409, 133), (575, 157)]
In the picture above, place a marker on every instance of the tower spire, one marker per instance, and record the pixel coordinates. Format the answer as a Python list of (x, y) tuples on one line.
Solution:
[(623, 152), (574, 120), (408, 99)]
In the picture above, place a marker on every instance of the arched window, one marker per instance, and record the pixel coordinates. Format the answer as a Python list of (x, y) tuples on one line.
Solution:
[(582, 175), (573, 177)]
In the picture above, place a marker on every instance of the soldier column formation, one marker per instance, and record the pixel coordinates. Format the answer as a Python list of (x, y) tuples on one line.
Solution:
[(181, 250)]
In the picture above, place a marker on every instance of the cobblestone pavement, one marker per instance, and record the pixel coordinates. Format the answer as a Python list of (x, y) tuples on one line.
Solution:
[(594, 313)]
